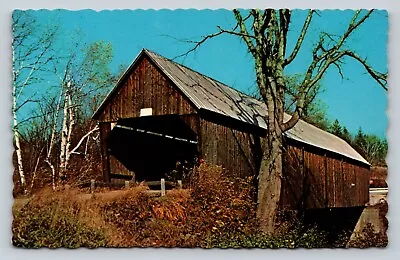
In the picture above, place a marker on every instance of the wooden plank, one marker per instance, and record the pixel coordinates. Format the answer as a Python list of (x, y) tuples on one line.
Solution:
[(316, 197), (322, 175), (162, 187), (146, 87), (346, 188), (105, 129), (330, 184), (292, 183), (158, 183)]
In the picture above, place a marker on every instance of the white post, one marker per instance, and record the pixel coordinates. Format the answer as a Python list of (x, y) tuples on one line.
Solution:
[(92, 183), (179, 184), (126, 184), (162, 187)]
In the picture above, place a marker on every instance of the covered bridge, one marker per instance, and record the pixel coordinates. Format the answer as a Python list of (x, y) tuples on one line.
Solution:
[(161, 112)]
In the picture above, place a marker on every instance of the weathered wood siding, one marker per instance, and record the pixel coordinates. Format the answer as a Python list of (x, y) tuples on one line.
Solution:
[(117, 168), (145, 87), (311, 178), (105, 129), (314, 179), (292, 178), (231, 148)]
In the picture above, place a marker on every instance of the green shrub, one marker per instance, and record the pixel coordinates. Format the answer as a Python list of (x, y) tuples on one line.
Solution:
[(298, 237)]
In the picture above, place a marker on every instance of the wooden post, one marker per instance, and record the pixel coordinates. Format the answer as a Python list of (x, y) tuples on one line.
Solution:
[(162, 187), (126, 184), (105, 129), (92, 185), (179, 184)]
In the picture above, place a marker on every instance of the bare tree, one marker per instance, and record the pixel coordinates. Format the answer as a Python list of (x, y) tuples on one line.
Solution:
[(31, 53), (83, 75), (265, 34)]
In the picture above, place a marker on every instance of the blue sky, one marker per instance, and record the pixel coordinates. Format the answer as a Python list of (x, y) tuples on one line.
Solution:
[(356, 101)]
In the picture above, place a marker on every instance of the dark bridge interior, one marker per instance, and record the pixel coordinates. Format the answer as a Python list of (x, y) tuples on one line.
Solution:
[(151, 146)]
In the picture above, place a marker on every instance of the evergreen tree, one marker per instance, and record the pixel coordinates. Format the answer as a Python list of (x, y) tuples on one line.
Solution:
[(359, 140), (346, 135), (336, 128)]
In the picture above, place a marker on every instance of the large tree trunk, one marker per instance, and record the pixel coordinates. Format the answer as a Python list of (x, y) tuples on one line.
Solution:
[(266, 41), (269, 181), (270, 175), (269, 189)]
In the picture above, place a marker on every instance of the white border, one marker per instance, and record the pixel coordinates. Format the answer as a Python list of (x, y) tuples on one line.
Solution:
[(6, 144)]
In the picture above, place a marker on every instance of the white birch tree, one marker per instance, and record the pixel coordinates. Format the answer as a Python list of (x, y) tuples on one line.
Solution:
[(32, 50), (83, 76)]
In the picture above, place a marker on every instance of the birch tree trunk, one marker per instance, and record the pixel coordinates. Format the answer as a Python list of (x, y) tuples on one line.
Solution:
[(18, 143), (64, 132), (52, 141), (32, 49), (71, 124)]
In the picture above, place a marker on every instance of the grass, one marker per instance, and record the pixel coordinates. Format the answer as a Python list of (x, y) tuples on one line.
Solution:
[(214, 211)]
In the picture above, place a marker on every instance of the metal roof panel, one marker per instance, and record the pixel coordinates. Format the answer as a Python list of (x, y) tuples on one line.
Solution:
[(212, 95)]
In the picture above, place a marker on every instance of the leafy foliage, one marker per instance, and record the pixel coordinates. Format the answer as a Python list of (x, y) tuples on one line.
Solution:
[(370, 146), (314, 110), (213, 205)]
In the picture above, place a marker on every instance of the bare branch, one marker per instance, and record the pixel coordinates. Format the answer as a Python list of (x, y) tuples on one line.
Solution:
[(25, 102), (235, 33), (339, 69), (352, 26), (293, 120), (321, 62), (243, 30), (380, 78), (198, 43), (300, 39), (73, 151), (284, 21), (242, 33)]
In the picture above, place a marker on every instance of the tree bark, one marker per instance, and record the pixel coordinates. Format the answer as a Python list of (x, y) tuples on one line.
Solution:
[(269, 184), (18, 144), (71, 124), (266, 40), (64, 133), (52, 141)]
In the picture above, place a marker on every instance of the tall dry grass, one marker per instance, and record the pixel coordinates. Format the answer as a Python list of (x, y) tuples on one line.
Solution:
[(212, 205), (214, 210)]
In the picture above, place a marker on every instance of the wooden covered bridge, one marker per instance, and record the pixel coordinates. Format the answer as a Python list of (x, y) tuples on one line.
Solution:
[(161, 112)]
